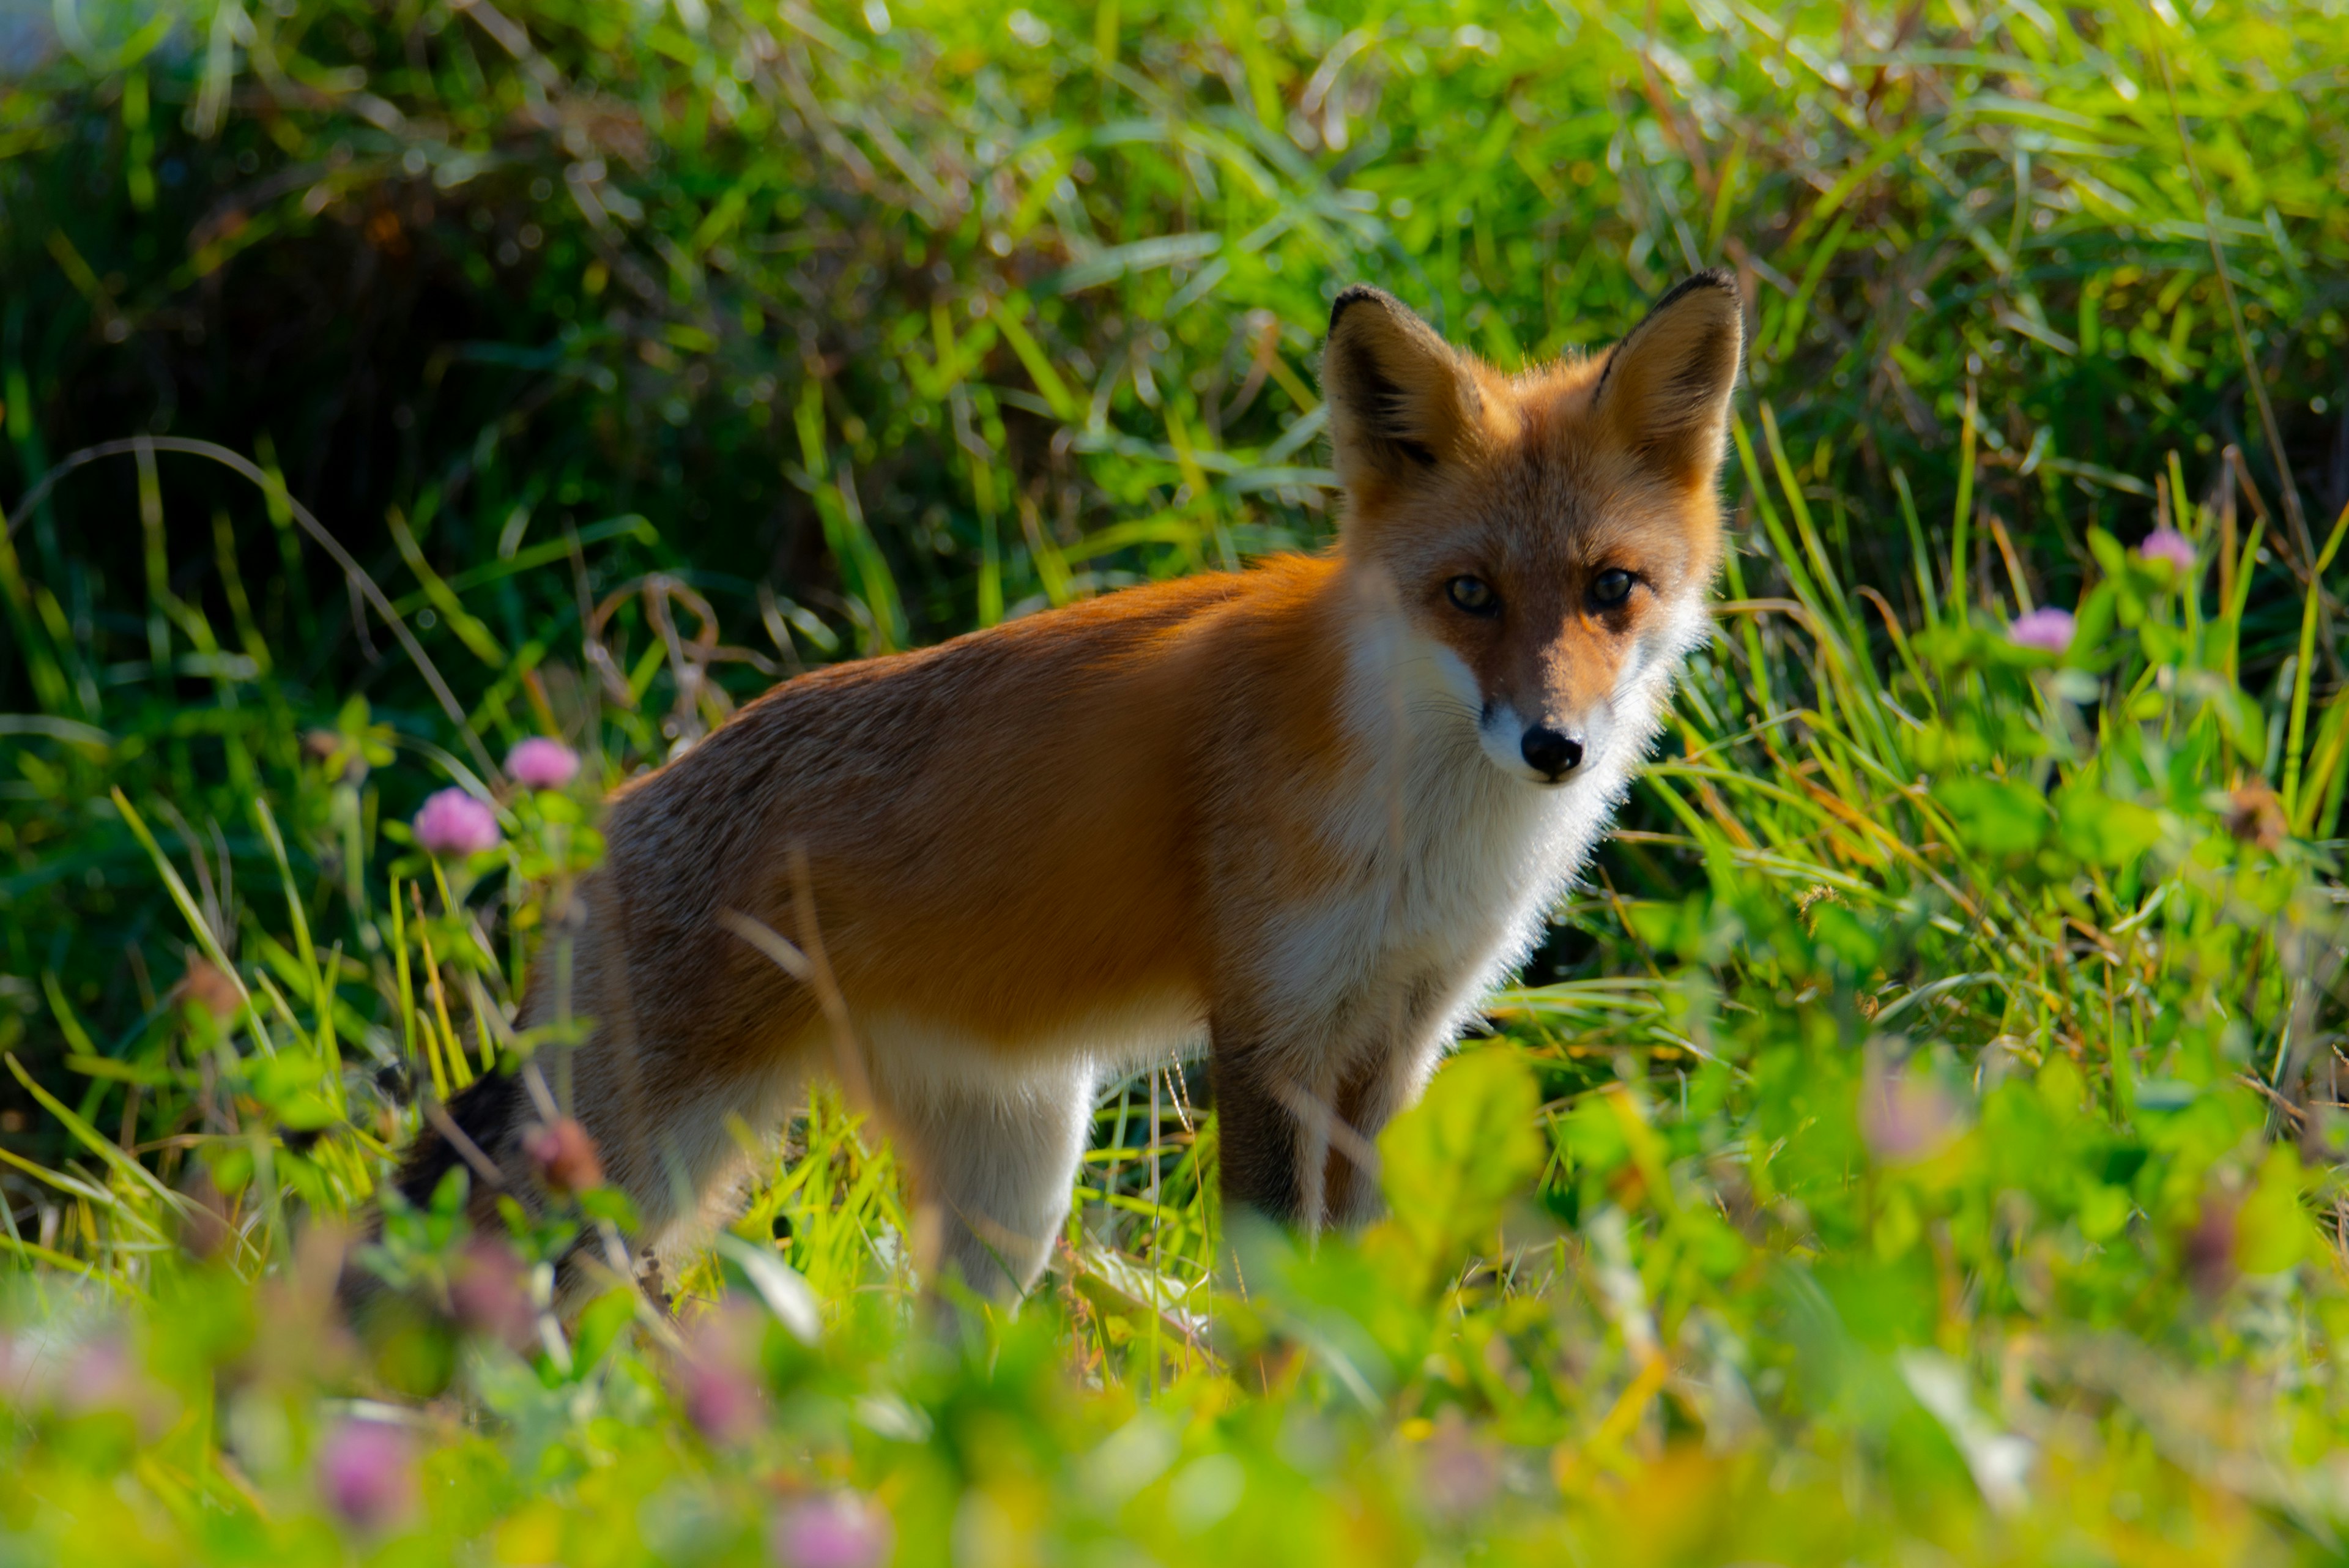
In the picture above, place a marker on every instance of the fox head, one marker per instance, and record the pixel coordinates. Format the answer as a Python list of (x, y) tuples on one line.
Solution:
[(1552, 534)]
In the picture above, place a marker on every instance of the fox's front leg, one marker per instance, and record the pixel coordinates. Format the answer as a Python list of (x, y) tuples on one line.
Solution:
[(1299, 1121)]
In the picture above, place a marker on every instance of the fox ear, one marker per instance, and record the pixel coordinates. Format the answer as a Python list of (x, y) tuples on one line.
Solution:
[(1665, 391), (1402, 403)]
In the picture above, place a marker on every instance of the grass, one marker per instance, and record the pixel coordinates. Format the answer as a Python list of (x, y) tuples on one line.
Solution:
[(1919, 1138)]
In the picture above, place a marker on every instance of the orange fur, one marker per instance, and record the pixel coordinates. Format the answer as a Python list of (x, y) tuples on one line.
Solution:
[(1276, 806)]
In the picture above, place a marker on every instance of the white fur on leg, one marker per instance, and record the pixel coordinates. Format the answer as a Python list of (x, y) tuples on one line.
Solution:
[(995, 1148), (666, 1140)]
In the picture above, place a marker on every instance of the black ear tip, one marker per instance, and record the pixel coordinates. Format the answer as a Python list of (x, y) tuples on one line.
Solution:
[(1713, 278), (1353, 294)]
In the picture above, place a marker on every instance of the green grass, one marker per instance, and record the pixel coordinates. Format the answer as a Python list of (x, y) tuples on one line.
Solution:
[(1917, 1140)]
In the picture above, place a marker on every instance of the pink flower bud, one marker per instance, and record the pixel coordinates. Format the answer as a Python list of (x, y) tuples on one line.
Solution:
[(2050, 630), (716, 1374), (489, 1293), (840, 1529), (564, 1156), (366, 1474), (1906, 1116), (541, 763), (102, 1376), (720, 1400), (104, 1373), (1459, 1475), (2169, 545), (209, 1224), (2208, 1257), (210, 989), (453, 823), (2255, 815)]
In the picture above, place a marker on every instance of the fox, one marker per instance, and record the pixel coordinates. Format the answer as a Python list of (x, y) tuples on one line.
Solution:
[(1299, 817)]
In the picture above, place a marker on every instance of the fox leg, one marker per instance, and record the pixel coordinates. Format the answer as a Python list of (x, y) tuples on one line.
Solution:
[(1295, 1143), (1298, 1118), (668, 1136), (994, 1155), (1260, 1143), (1367, 1098)]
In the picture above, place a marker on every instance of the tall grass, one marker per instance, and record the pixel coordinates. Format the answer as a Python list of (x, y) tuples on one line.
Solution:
[(862, 364), (1918, 1135)]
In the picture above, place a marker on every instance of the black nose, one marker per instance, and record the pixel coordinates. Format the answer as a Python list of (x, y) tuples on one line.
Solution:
[(1549, 752)]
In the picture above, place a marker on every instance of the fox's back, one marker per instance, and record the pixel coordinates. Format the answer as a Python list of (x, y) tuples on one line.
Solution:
[(1004, 828)]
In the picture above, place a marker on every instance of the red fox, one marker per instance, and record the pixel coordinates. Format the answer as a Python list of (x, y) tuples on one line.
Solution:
[(1302, 816)]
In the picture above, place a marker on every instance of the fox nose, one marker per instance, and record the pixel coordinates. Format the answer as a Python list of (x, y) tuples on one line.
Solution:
[(1551, 752)]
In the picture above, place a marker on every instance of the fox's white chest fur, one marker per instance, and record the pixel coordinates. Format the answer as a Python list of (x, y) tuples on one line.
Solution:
[(1457, 864)]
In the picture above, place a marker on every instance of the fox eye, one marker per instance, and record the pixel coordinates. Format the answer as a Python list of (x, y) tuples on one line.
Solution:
[(1474, 594), (1611, 587)]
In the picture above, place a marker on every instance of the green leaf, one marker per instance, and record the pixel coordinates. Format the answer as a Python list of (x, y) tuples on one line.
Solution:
[(1841, 932), (291, 1084), (2091, 628), (2102, 1211), (611, 1203), (2109, 553), (2270, 1228), (1591, 1136), (1451, 1162), (601, 1326), (1995, 817), (2102, 830)]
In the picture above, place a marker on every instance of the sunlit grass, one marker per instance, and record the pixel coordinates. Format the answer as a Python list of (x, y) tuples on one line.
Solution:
[(1920, 1137)]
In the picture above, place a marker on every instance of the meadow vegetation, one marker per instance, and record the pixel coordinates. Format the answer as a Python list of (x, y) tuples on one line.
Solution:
[(1920, 1137)]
